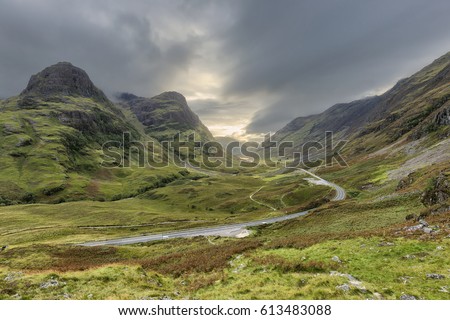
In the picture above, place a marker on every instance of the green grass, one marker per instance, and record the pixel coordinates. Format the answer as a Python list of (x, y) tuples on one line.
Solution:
[(240, 269), (182, 202), (381, 269)]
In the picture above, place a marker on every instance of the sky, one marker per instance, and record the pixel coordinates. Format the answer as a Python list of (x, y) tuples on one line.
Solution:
[(246, 67)]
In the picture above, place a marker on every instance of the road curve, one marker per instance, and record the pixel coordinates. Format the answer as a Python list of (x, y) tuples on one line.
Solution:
[(340, 192), (223, 230)]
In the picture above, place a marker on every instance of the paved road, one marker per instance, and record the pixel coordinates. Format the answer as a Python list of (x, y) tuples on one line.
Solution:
[(340, 192), (223, 230)]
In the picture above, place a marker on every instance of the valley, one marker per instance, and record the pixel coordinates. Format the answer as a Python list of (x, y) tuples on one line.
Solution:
[(378, 228)]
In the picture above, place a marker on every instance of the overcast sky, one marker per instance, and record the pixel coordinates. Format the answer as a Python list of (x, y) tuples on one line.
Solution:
[(246, 67)]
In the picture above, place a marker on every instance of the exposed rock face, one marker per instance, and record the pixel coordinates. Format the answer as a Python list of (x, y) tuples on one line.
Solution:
[(405, 182), (443, 117), (63, 79), (165, 114), (438, 192)]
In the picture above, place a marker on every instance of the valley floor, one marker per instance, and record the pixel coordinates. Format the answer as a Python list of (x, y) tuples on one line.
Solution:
[(359, 248)]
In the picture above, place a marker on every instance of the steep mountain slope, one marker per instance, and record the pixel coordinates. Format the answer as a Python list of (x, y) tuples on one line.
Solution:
[(165, 115), (51, 137), (415, 107), (342, 119)]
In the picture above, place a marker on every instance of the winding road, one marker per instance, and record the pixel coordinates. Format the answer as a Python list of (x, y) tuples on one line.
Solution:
[(222, 230)]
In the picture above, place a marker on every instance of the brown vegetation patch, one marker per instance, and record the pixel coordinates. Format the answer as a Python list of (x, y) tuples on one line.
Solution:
[(199, 260), (82, 258)]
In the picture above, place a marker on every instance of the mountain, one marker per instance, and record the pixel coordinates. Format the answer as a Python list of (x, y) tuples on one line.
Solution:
[(51, 137), (165, 115), (398, 142), (415, 107), (63, 79)]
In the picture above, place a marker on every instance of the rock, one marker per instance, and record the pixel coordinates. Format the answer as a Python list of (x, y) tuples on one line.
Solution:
[(409, 257), (405, 182), (435, 276), (377, 296), (352, 280), (344, 287), (444, 289), (90, 296), (423, 222), (427, 230), (51, 283), (407, 297), (13, 276), (336, 259), (414, 228), (23, 142), (386, 244), (439, 248), (62, 79), (438, 192)]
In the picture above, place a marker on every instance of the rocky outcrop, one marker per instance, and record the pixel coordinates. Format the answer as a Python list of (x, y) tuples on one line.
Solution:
[(405, 182), (438, 192), (443, 117)]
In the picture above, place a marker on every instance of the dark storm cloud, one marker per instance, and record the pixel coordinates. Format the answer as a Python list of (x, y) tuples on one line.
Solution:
[(255, 63), (117, 45), (315, 53)]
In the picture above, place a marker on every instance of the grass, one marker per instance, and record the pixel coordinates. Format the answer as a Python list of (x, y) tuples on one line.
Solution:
[(289, 260), (182, 202), (232, 269)]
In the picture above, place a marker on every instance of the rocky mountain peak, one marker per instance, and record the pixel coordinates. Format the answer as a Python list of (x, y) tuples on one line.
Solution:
[(165, 114), (63, 78)]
